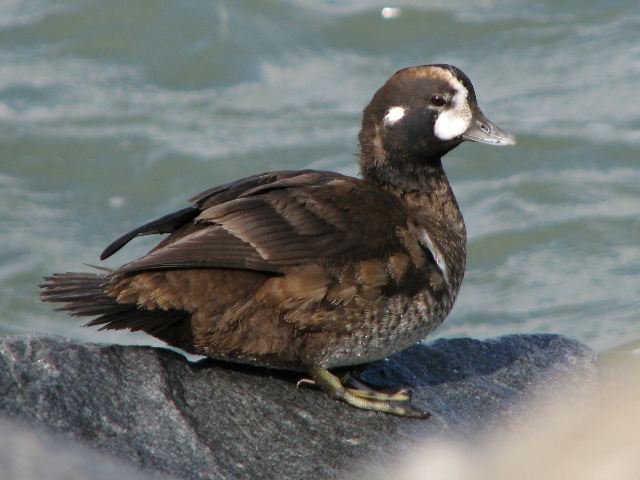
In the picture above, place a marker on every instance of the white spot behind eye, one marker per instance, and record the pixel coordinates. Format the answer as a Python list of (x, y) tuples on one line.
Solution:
[(393, 115)]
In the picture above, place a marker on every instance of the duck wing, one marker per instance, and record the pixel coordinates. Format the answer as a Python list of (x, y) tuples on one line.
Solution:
[(273, 221)]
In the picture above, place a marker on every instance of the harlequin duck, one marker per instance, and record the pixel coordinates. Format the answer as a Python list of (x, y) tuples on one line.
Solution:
[(310, 270)]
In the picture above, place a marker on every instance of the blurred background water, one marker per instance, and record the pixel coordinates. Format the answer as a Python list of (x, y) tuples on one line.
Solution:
[(115, 112)]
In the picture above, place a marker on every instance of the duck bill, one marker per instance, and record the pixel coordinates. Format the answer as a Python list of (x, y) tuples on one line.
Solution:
[(482, 130)]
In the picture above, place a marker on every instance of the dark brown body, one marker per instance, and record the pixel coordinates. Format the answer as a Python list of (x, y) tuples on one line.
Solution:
[(342, 283), (331, 312)]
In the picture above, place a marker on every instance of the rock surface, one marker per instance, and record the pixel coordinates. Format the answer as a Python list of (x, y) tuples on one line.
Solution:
[(156, 410)]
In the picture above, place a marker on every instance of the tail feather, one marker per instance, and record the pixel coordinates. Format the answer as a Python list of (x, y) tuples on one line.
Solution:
[(85, 295), (152, 322)]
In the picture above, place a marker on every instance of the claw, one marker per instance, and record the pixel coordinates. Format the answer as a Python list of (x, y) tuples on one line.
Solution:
[(306, 381)]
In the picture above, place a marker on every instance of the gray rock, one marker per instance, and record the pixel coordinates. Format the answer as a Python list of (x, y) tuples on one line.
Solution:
[(158, 411)]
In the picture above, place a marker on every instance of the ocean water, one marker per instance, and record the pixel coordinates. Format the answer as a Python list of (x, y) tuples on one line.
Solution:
[(115, 112)]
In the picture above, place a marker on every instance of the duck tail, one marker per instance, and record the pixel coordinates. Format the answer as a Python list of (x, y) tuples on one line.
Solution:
[(82, 293), (86, 295)]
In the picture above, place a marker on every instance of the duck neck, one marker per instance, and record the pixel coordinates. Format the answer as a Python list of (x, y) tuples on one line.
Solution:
[(425, 176), (414, 169), (422, 187)]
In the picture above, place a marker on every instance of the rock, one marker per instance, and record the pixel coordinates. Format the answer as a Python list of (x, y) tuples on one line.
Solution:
[(160, 412)]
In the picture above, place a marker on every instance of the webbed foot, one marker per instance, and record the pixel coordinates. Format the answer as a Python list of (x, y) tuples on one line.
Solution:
[(363, 396)]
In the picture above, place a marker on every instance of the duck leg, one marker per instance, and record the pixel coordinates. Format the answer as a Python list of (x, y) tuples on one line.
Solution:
[(361, 389), (364, 398)]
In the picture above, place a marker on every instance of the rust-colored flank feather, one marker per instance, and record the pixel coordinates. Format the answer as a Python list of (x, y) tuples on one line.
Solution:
[(308, 270)]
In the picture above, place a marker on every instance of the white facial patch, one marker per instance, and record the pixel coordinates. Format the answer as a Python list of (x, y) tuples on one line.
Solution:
[(393, 115), (456, 118)]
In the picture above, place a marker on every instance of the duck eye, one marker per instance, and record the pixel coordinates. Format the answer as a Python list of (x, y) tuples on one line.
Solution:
[(438, 100)]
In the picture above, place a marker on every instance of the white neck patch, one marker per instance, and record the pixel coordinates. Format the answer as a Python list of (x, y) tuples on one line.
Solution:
[(455, 119), (426, 242), (393, 115)]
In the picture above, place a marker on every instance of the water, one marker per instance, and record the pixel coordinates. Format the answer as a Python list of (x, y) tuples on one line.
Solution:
[(113, 113)]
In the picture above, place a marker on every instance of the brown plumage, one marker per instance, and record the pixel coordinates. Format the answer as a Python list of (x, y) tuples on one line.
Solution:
[(309, 270)]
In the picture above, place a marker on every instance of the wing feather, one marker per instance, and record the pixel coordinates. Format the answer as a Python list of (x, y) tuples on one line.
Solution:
[(271, 221)]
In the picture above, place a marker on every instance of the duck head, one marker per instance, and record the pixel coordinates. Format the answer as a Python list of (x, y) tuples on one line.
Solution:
[(416, 117)]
